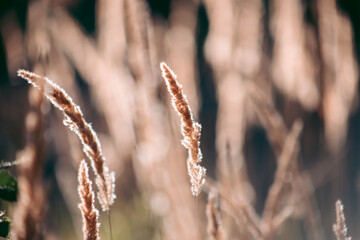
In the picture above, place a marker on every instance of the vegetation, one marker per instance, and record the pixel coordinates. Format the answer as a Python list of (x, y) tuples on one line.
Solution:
[(274, 85)]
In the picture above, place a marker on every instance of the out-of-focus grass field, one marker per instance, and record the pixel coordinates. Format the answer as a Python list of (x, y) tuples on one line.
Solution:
[(106, 54)]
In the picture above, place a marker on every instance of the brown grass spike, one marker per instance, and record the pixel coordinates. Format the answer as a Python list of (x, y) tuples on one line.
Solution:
[(75, 121), (89, 213), (189, 129), (339, 227)]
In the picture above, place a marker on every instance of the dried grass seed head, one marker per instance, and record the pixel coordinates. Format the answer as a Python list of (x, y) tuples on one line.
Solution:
[(340, 228), (87, 207), (189, 129), (75, 121)]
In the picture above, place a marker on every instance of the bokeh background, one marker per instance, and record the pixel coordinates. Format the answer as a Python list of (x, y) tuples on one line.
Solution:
[(301, 54)]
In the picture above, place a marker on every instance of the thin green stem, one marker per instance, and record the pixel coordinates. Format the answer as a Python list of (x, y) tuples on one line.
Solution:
[(110, 228)]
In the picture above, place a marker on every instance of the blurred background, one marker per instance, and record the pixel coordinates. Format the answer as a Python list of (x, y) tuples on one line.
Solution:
[(249, 68)]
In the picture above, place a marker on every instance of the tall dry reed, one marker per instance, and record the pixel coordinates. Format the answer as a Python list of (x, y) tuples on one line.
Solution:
[(94, 67), (283, 170), (105, 180), (189, 129), (29, 210), (339, 73), (276, 130)]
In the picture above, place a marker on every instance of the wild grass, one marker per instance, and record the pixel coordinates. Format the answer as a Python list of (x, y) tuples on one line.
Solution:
[(87, 206), (189, 129), (105, 180), (339, 227), (275, 91)]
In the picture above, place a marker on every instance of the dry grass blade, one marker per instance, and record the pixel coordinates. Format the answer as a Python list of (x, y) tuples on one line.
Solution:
[(287, 157), (215, 228), (94, 68), (339, 72), (139, 28), (269, 117), (31, 204), (242, 212), (297, 79), (75, 121), (276, 131), (189, 128), (182, 34), (339, 227), (281, 217), (89, 213)]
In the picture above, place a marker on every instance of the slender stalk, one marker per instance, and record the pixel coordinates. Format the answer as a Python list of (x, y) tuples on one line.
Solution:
[(110, 228)]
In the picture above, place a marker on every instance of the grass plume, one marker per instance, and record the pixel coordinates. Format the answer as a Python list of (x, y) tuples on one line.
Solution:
[(189, 129), (105, 180), (89, 213), (339, 227)]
